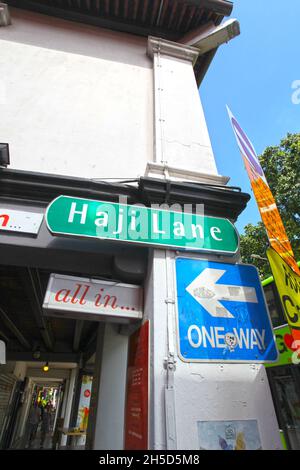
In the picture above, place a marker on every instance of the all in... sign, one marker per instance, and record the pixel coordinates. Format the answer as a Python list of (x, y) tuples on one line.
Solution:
[(91, 299), (139, 224)]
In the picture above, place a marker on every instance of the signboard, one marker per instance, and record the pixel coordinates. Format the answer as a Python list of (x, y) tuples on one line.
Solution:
[(136, 410), (264, 197), (288, 286), (222, 313), (284, 342), (84, 402), (78, 297), (139, 224), (20, 221)]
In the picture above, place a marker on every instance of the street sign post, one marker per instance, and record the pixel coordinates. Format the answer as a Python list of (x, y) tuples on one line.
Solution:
[(139, 224), (222, 314)]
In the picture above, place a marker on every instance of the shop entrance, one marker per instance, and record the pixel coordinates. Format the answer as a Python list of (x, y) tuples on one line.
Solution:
[(46, 383), (74, 347), (42, 415)]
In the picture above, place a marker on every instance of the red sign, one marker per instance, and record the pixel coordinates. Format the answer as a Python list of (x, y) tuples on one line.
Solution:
[(136, 411)]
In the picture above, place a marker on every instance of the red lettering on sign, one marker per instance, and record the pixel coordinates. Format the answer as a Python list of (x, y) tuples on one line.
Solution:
[(74, 299), (108, 299), (82, 301), (63, 292), (98, 298), (5, 218)]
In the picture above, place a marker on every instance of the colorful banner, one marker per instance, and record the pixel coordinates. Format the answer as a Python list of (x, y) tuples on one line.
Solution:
[(288, 286), (84, 402), (266, 203)]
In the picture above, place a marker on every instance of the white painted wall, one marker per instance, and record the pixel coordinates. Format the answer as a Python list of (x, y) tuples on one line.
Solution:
[(109, 425), (215, 392), (75, 100), (181, 135), (203, 391), (20, 370)]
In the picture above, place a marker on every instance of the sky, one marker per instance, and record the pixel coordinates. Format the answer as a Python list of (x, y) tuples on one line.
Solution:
[(253, 74)]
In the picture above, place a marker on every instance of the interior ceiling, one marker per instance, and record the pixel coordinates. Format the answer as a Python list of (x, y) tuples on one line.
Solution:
[(25, 330), (52, 365)]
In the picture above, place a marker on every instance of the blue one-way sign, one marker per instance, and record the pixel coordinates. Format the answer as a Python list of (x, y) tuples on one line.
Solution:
[(222, 314)]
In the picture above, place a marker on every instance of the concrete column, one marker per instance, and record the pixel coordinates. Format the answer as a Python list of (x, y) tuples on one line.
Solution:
[(156, 310), (181, 136), (65, 398), (57, 406), (69, 403), (109, 419)]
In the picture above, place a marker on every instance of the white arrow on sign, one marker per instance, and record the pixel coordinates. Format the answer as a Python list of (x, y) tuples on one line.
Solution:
[(208, 293)]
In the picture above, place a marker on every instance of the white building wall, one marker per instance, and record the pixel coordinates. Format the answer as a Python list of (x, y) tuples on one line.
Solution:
[(75, 100), (195, 391), (84, 111), (155, 311), (182, 138)]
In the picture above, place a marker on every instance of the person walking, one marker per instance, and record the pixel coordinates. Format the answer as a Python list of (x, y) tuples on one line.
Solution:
[(45, 426)]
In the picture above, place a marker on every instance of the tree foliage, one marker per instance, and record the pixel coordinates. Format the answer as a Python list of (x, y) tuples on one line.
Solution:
[(281, 165)]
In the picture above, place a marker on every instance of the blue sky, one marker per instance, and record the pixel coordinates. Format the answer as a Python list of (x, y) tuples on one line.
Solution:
[(253, 74)]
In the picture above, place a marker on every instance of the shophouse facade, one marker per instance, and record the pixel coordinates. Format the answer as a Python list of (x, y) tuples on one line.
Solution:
[(100, 102)]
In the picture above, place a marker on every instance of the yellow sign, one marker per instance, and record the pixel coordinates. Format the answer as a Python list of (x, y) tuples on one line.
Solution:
[(288, 286)]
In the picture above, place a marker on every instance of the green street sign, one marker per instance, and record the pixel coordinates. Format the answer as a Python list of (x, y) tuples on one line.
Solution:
[(138, 224)]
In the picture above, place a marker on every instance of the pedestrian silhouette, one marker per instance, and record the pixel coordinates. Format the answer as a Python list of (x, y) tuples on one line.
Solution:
[(46, 421)]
